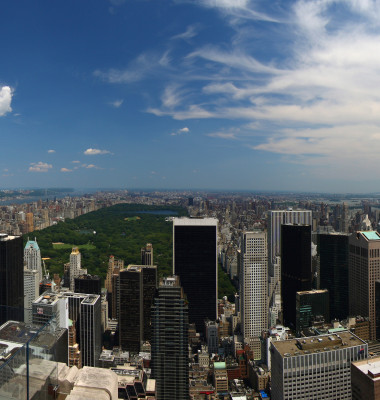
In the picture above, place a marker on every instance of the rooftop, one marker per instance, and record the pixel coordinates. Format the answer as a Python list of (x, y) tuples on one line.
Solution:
[(369, 367), (195, 221), (316, 344), (371, 235)]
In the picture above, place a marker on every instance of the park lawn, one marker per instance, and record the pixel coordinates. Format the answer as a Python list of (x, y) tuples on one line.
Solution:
[(60, 246)]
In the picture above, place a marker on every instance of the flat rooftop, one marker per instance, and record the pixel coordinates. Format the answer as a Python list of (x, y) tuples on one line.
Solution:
[(316, 344), (369, 367), (370, 235), (195, 221)]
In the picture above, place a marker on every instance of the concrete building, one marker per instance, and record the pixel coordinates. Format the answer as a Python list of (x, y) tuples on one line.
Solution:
[(195, 261), (317, 367), (365, 379), (75, 267), (364, 271), (220, 378), (50, 305), (254, 284)]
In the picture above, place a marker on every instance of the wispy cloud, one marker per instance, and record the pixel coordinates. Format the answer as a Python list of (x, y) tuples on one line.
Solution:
[(144, 65), (180, 131), (116, 103), (75, 162), (223, 135), (94, 152), (6, 94), (51, 151), (40, 167), (190, 32), (66, 170)]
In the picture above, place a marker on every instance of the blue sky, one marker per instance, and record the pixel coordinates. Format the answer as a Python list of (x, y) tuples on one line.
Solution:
[(219, 94)]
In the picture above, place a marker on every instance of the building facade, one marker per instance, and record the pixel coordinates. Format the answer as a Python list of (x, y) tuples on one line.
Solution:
[(364, 271), (32, 257), (317, 367), (195, 262), (170, 367), (147, 254), (254, 284)]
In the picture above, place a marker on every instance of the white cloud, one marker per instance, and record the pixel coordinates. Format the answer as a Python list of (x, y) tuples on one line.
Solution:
[(117, 103), (75, 162), (40, 167), (91, 166), (180, 131), (94, 152), (51, 151), (6, 94), (66, 170)]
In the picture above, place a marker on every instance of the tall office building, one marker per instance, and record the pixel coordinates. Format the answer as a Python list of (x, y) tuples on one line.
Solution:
[(32, 257), (29, 222), (31, 292), (195, 262), (170, 367), (364, 271), (277, 218), (90, 330), (310, 306), (295, 267), (89, 284), (315, 367), (11, 278), (253, 284), (147, 254), (137, 287), (333, 271)]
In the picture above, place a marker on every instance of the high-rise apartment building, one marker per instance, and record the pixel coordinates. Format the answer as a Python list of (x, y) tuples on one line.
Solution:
[(11, 278), (254, 283), (317, 367), (32, 257), (147, 254), (170, 367), (364, 271), (195, 262), (29, 222), (295, 267), (137, 286), (332, 249)]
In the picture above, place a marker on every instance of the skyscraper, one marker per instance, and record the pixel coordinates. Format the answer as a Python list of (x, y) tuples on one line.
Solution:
[(195, 262), (11, 278), (147, 254), (170, 326), (75, 266), (295, 267), (253, 284), (333, 266), (137, 287), (89, 284), (364, 271), (31, 292), (32, 257)]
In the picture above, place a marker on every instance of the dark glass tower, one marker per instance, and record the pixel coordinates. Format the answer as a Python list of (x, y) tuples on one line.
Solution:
[(137, 286), (170, 366), (333, 260), (295, 267), (89, 284), (195, 262), (11, 278)]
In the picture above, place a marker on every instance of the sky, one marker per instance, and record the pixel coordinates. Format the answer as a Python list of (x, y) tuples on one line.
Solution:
[(184, 94)]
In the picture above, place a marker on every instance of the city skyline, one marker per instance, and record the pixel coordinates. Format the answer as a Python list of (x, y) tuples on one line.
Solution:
[(228, 94)]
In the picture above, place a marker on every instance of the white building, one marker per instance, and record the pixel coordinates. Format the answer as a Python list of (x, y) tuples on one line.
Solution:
[(75, 266), (317, 367), (31, 292), (254, 284), (32, 257)]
